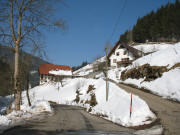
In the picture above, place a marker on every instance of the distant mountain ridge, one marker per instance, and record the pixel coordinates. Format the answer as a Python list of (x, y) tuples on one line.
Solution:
[(7, 55)]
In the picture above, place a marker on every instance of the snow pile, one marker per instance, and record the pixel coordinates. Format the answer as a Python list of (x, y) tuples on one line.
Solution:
[(60, 72), (53, 92), (16, 117), (148, 48), (168, 85), (37, 106), (116, 109), (4, 121)]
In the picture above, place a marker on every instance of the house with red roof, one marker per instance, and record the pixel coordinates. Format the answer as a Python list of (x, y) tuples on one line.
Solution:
[(51, 72)]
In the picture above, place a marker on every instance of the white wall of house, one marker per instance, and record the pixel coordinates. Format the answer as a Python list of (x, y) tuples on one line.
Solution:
[(118, 55), (45, 78)]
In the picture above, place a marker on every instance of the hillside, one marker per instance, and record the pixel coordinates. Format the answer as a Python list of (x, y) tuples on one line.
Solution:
[(158, 72), (161, 25), (89, 68), (6, 63), (5, 79), (160, 56), (8, 57)]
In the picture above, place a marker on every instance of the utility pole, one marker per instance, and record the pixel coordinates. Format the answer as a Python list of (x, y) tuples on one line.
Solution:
[(106, 75)]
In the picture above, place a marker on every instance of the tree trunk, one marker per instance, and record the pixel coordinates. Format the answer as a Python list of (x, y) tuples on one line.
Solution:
[(27, 91), (17, 93)]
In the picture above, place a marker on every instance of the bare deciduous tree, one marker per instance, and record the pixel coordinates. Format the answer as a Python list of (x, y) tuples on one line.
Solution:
[(21, 23)]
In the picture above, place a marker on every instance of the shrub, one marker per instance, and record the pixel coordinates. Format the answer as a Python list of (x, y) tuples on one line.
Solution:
[(90, 88), (92, 102), (77, 96)]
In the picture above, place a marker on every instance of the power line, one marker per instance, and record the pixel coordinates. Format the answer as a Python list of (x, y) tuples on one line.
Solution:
[(119, 17)]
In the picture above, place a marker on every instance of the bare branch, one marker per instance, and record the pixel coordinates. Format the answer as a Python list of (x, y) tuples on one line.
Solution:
[(11, 22), (19, 26), (31, 29)]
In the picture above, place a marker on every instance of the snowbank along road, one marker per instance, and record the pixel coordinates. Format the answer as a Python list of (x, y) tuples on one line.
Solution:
[(69, 120), (167, 111)]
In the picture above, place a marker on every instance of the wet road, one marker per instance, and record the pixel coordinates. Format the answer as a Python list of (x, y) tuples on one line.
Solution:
[(69, 120)]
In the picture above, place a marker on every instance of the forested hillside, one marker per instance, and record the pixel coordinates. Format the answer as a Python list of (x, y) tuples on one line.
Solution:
[(162, 25), (5, 78), (28, 65)]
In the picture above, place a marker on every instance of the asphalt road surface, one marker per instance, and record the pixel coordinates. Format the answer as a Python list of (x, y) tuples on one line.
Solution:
[(69, 120), (168, 111)]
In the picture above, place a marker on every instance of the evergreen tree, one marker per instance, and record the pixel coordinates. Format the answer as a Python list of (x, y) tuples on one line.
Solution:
[(162, 25)]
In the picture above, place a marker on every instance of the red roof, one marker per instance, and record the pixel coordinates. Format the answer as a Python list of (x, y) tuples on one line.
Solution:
[(45, 68)]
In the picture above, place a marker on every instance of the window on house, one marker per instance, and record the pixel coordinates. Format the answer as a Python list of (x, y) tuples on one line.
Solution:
[(121, 46), (117, 54), (114, 60), (125, 52), (41, 76)]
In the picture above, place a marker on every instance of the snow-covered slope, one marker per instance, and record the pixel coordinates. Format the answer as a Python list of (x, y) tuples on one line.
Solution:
[(148, 48), (164, 57), (168, 85), (88, 68), (84, 70), (115, 109)]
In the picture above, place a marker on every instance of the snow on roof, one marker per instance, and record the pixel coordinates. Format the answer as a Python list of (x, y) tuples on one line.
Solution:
[(45, 68), (60, 72), (134, 51)]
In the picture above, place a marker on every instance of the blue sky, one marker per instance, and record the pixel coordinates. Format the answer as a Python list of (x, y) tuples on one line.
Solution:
[(90, 25)]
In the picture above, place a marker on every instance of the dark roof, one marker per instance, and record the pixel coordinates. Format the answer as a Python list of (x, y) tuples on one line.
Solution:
[(45, 68), (134, 51)]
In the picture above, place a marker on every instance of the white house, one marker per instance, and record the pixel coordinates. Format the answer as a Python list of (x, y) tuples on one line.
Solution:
[(51, 72), (122, 55)]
